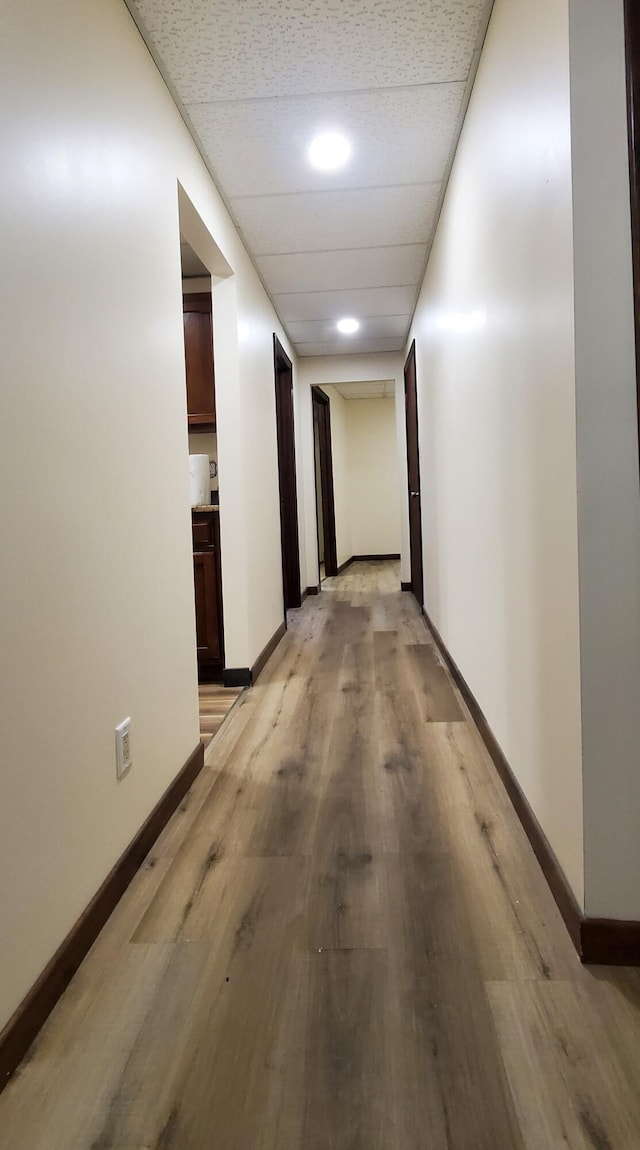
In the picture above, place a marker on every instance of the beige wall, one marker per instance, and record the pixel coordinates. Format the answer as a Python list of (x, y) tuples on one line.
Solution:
[(374, 495), (496, 394), (95, 564)]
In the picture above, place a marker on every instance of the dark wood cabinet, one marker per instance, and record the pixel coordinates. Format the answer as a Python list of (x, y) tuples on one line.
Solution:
[(198, 350), (208, 589)]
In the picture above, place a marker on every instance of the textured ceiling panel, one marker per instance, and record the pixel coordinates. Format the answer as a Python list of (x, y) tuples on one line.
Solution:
[(397, 136), (257, 80), (363, 347), (365, 267), (387, 326), (334, 304), (374, 389), (325, 221), (225, 49)]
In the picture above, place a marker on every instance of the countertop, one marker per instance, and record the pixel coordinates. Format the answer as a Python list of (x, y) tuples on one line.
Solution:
[(206, 507)]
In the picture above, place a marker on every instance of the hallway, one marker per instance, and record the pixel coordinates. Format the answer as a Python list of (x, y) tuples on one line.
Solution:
[(342, 940)]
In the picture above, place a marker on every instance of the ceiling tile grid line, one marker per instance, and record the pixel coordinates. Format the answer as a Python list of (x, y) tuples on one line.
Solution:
[(256, 81), (365, 347), (282, 96), (353, 189)]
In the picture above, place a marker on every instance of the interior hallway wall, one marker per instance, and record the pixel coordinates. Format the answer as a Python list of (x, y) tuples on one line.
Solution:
[(494, 335), (96, 559), (374, 489)]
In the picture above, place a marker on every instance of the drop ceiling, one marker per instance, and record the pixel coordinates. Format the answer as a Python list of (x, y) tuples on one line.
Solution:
[(257, 80), (365, 389)]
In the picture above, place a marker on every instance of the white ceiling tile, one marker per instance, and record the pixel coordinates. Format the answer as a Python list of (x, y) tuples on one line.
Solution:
[(375, 327), (398, 137), (332, 305), (373, 390), (326, 221), (221, 49), (361, 348), (364, 267), (363, 389)]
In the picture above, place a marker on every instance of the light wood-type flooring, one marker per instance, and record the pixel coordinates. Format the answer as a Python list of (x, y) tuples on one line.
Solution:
[(342, 940), (215, 702)]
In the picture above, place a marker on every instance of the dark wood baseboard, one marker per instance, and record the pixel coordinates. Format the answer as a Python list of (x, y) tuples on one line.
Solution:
[(406, 586), (610, 941), (265, 655), (373, 558), (21, 1030), (312, 591), (567, 903), (602, 941), (343, 566), (237, 677), (246, 676)]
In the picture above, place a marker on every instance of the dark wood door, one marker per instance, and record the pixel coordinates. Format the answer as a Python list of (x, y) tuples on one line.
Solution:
[(198, 352), (632, 46), (413, 470), (322, 420), (287, 477)]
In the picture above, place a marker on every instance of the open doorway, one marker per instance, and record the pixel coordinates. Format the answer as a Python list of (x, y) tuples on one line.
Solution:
[(283, 370), (325, 505), (357, 476), (197, 315)]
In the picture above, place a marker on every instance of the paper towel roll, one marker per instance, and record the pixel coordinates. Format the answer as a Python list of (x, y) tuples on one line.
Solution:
[(199, 482)]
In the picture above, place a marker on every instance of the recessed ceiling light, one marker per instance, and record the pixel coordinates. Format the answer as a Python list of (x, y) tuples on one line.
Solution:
[(348, 326), (329, 151)]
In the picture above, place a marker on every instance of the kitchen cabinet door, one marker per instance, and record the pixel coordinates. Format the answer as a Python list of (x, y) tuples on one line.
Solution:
[(207, 629), (198, 350)]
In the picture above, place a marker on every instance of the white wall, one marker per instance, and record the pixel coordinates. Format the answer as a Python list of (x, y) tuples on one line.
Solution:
[(495, 367), (608, 480), (95, 564), (322, 371)]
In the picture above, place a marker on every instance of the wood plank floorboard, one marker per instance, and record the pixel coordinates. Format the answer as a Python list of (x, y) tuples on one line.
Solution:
[(342, 939), (215, 702)]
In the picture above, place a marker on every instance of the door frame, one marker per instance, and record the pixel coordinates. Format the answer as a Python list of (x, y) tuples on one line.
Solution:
[(410, 362), (632, 52), (286, 441), (321, 403)]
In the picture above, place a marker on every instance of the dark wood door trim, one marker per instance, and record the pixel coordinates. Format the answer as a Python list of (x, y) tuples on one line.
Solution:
[(285, 429), (632, 49), (413, 474), (321, 405)]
